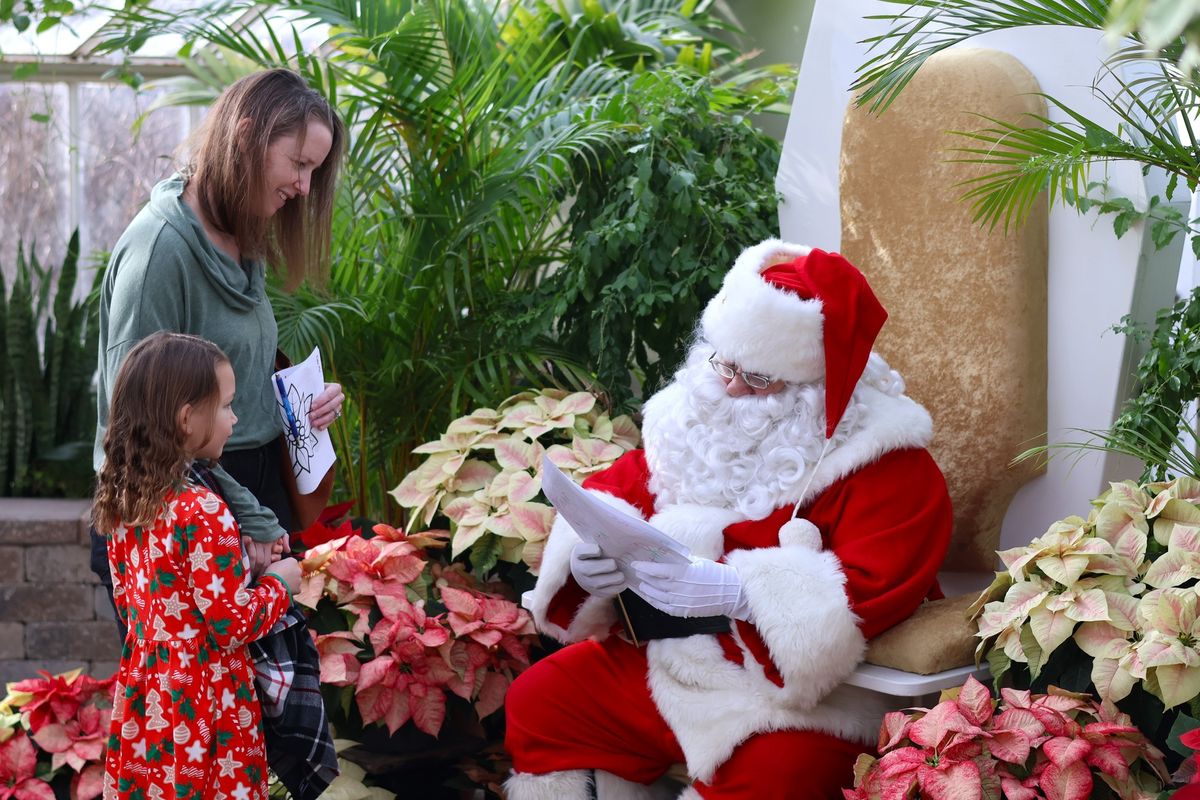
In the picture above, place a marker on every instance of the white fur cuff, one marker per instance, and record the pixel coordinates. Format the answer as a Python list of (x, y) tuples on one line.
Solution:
[(572, 784), (800, 608)]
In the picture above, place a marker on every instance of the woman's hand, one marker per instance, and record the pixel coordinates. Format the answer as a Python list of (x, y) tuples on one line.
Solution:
[(326, 407), (261, 555)]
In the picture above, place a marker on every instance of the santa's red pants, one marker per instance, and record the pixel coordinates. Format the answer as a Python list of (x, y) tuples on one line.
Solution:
[(588, 706)]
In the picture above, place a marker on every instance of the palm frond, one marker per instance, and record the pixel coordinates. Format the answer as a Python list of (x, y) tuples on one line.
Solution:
[(1153, 451), (497, 374), (306, 320), (927, 27), (1021, 160)]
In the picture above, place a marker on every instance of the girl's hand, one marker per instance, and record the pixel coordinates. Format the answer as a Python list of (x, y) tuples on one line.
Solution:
[(326, 407), (288, 571)]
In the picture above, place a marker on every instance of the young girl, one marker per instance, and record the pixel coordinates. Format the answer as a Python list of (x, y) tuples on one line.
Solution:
[(186, 721)]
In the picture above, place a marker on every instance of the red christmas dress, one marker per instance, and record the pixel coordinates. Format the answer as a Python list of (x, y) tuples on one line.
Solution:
[(186, 720)]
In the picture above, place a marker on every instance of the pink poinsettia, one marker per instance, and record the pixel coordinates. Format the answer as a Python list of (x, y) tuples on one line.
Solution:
[(401, 661), (339, 651), (485, 619), (491, 645), (405, 622), (365, 567), (404, 683), (77, 741), (1038, 747), (89, 784), (18, 763)]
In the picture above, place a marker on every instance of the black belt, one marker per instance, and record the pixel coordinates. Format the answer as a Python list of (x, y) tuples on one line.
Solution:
[(643, 622)]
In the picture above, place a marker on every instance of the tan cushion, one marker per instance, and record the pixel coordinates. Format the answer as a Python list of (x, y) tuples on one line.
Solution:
[(937, 637)]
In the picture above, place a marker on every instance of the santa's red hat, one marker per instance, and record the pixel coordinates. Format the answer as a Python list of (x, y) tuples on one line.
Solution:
[(797, 314)]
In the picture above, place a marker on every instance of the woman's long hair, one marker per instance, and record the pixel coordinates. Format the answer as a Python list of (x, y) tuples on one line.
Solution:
[(144, 448), (228, 168)]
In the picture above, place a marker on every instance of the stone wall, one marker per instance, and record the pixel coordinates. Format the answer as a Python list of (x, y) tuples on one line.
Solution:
[(54, 614)]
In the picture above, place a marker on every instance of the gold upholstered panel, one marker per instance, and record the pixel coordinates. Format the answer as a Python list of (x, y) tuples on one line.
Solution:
[(967, 324)]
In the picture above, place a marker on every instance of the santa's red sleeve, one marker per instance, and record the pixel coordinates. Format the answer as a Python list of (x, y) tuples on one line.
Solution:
[(559, 606), (885, 530)]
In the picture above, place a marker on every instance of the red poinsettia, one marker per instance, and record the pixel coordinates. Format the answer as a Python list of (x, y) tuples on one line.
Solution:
[(18, 763), (56, 698), (1188, 769), (323, 529)]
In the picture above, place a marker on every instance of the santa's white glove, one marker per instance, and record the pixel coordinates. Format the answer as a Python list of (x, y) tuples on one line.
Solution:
[(703, 588), (596, 573)]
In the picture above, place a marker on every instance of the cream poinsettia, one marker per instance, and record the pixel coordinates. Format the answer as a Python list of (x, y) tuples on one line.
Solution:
[(1171, 643), (484, 473), (1087, 580)]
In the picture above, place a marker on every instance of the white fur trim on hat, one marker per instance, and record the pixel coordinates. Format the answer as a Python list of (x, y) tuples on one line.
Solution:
[(761, 327)]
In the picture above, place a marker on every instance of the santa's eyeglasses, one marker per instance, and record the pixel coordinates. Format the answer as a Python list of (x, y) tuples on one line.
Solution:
[(728, 371)]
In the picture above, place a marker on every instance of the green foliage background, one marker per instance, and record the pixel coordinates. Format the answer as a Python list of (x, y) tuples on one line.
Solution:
[(48, 344), (655, 231)]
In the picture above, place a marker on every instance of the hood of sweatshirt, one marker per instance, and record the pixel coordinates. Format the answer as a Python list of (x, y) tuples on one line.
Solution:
[(240, 286)]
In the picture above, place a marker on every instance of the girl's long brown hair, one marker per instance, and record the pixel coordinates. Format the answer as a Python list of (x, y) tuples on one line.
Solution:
[(144, 454), (228, 167)]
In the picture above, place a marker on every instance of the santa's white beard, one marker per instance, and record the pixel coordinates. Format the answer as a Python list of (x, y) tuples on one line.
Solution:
[(749, 453)]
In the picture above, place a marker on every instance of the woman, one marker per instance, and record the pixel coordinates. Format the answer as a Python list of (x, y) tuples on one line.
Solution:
[(258, 187)]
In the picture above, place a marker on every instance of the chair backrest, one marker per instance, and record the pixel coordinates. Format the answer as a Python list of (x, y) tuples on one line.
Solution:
[(967, 325)]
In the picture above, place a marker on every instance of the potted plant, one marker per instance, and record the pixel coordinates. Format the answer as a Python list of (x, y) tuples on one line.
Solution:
[(1106, 604), (484, 474), (1058, 745), (53, 722)]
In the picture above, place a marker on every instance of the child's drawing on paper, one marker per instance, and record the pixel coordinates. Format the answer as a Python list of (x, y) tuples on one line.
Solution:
[(310, 451), (302, 445)]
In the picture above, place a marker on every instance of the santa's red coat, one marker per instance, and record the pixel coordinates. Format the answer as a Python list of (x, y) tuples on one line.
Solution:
[(884, 516)]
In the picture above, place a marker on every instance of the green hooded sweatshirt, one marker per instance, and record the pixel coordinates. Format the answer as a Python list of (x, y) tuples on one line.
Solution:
[(165, 275)]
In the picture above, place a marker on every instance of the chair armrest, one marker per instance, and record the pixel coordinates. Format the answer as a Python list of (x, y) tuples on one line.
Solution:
[(897, 683)]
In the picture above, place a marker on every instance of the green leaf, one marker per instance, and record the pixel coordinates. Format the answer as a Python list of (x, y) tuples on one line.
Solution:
[(43, 118), (1182, 724), (998, 664), (1033, 652), (20, 22), (1121, 223), (23, 71), (485, 553)]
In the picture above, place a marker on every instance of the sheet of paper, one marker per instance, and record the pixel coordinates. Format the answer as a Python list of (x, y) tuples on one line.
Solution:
[(311, 451), (620, 536)]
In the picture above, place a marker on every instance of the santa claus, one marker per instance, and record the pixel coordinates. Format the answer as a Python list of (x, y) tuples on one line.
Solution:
[(787, 459)]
